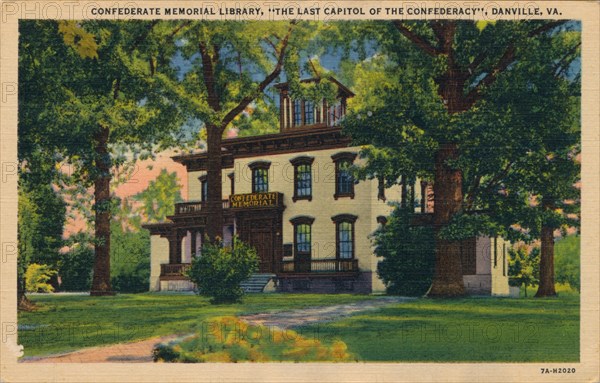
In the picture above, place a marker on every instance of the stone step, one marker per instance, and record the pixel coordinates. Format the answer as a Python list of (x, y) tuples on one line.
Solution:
[(256, 283)]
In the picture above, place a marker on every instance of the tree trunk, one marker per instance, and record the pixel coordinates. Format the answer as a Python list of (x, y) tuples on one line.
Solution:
[(546, 287), (447, 194), (23, 303), (102, 201), (214, 204)]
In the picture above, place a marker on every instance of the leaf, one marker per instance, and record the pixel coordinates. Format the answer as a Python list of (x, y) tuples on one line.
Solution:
[(76, 37)]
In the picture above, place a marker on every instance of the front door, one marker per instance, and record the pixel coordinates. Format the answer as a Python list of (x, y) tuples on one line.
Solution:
[(262, 241)]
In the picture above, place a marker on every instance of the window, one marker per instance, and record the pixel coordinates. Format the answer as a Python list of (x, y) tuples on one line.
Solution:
[(504, 259), (203, 188), (381, 188), (495, 252), (344, 182), (344, 225), (309, 113), (232, 179), (302, 243), (335, 113), (297, 112), (303, 238), (382, 220), (260, 176), (302, 178)]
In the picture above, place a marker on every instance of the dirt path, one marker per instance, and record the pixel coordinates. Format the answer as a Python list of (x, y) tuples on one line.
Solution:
[(134, 352), (312, 315), (141, 352)]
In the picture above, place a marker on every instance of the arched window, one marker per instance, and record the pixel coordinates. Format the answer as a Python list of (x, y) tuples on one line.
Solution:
[(260, 176), (344, 182), (344, 227), (302, 177)]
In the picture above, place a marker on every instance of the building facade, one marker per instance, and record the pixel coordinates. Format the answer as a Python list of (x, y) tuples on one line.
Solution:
[(292, 197)]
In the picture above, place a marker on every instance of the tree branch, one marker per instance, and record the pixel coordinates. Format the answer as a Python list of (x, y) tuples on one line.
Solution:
[(561, 66), (470, 195), (208, 73), (117, 88), (180, 27), (417, 40), (263, 84), (507, 58), (143, 36)]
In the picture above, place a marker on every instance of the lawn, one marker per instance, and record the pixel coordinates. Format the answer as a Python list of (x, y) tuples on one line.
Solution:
[(465, 330), (64, 323)]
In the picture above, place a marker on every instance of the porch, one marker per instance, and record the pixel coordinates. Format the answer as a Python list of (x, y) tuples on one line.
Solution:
[(288, 269)]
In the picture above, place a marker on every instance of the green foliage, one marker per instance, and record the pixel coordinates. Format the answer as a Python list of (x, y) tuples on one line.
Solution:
[(229, 339), (261, 118), (509, 150), (567, 261), (110, 84), (159, 198), (41, 217), (75, 267), (40, 224), (408, 255), (524, 267), (220, 269), (129, 259), (37, 277)]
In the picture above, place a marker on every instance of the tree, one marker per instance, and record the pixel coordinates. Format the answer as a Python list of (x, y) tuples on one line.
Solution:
[(424, 118), (540, 192), (232, 64), (39, 231), (524, 267), (568, 261), (159, 198), (85, 89)]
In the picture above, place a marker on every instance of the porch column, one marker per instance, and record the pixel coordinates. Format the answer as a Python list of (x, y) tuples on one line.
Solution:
[(403, 193), (193, 244), (423, 196), (175, 247)]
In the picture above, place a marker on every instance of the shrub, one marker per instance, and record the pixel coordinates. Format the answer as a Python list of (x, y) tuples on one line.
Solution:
[(228, 339), (37, 277), (567, 261), (75, 268), (408, 254), (220, 269), (129, 259)]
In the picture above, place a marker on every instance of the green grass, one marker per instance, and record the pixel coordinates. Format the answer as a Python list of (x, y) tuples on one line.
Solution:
[(465, 330), (64, 323), (462, 330)]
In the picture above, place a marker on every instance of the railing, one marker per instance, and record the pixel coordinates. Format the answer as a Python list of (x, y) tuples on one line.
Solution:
[(320, 266), (173, 269), (194, 207)]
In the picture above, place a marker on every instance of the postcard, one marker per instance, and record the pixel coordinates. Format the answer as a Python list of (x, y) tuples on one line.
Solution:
[(274, 191)]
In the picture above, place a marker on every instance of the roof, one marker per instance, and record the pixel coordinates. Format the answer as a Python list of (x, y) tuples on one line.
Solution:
[(341, 87)]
